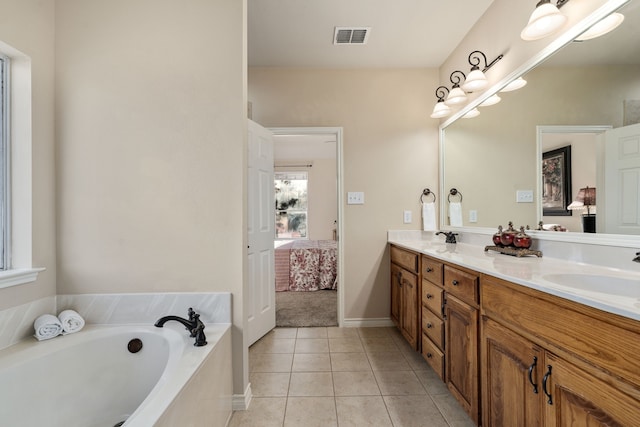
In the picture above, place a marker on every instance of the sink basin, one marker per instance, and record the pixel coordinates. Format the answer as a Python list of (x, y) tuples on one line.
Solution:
[(602, 284)]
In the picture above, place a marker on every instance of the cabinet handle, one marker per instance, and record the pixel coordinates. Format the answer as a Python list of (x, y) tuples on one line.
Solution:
[(400, 278), (429, 296), (454, 283), (429, 325), (429, 355), (533, 365), (429, 269), (544, 385)]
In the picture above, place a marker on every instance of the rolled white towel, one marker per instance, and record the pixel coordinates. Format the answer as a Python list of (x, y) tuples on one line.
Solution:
[(71, 321), (47, 326)]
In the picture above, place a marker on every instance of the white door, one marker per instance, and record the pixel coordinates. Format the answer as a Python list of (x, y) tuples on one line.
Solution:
[(261, 223), (622, 181)]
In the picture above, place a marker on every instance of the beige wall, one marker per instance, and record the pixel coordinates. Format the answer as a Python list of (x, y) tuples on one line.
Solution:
[(489, 157), (390, 153), (28, 26), (151, 134), (323, 199)]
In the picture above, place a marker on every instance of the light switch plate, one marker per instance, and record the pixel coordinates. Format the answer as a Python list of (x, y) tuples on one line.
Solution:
[(473, 216), (355, 198), (407, 217), (524, 196)]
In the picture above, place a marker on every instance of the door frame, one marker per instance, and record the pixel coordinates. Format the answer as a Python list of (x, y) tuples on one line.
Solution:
[(337, 131)]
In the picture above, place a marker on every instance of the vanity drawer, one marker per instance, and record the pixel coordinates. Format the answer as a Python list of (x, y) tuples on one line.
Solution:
[(432, 297), (432, 270), (406, 259), (433, 356), (461, 284), (433, 326)]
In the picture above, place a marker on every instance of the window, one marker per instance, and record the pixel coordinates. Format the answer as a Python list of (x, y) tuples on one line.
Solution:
[(4, 160), (291, 205)]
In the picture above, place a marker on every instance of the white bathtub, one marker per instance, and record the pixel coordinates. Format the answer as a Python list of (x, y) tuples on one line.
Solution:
[(91, 379)]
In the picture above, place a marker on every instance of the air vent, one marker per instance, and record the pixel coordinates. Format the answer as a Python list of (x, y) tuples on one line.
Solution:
[(351, 35)]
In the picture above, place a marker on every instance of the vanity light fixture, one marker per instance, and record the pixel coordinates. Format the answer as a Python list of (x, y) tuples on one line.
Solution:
[(492, 100), (471, 114), (545, 20), (514, 85), (476, 80), (456, 95), (602, 27), (441, 109)]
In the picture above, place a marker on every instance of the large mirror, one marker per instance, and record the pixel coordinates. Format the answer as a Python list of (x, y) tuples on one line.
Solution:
[(570, 100)]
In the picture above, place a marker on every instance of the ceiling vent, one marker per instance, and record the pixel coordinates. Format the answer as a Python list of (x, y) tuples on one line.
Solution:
[(351, 35)]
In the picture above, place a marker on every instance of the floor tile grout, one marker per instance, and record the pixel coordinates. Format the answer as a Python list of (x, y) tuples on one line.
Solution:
[(371, 341)]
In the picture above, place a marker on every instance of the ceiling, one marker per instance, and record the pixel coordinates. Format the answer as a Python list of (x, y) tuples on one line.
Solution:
[(404, 33)]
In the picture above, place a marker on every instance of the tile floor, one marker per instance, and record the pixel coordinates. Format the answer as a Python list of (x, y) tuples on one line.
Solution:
[(344, 377)]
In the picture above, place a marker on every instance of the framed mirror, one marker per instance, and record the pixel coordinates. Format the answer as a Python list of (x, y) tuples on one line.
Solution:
[(493, 158)]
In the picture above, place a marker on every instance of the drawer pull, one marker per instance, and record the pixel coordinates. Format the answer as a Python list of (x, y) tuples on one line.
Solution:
[(544, 385), (429, 325), (455, 283), (429, 269), (429, 296), (533, 365), (429, 355)]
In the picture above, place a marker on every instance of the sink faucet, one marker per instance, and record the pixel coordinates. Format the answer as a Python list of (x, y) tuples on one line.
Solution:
[(194, 325), (451, 236), (637, 258)]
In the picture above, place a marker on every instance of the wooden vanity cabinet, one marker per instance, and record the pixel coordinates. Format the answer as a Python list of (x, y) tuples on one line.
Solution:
[(405, 293), (433, 329), (552, 362), (461, 337), (511, 389)]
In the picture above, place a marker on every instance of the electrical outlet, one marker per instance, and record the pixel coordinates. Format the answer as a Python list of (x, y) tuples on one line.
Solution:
[(473, 216), (524, 196), (355, 198), (407, 217)]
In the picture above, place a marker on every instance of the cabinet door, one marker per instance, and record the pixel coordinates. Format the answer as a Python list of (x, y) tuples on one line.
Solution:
[(396, 296), (461, 349), (511, 369), (409, 308), (575, 398)]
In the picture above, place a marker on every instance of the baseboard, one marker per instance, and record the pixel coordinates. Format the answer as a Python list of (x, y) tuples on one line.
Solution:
[(241, 402), (367, 323)]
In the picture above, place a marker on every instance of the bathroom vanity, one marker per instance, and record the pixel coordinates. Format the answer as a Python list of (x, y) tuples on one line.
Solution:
[(517, 341)]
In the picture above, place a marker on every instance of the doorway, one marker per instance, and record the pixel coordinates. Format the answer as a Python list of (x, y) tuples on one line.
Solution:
[(300, 149)]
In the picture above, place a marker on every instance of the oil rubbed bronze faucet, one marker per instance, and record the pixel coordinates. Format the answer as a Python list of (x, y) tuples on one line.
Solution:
[(194, 325), (451, 236), (637, 258)]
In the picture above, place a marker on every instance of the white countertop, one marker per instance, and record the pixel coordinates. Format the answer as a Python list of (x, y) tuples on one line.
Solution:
[(609, 289)]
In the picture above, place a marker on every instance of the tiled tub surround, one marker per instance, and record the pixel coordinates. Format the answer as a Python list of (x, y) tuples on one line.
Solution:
[(205, 392), (533, 272)]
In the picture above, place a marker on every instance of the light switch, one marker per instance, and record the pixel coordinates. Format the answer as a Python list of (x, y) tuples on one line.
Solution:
[(407, 217), (473, 216), (355, 198), (524, 196)]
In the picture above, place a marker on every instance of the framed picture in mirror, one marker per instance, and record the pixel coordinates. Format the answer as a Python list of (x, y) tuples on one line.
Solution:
[(556, 182)]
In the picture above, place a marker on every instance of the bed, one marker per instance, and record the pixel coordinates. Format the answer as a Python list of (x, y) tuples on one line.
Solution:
[(306, 265)]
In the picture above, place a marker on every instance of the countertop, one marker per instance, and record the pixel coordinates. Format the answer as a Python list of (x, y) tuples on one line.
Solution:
[(612, 290)]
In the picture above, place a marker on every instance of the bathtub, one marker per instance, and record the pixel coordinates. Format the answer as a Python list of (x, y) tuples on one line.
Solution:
[(95, 378)]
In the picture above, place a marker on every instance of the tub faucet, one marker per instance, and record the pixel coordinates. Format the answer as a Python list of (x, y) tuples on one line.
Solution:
[(637, 258), (194, 325), (451, 236)]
